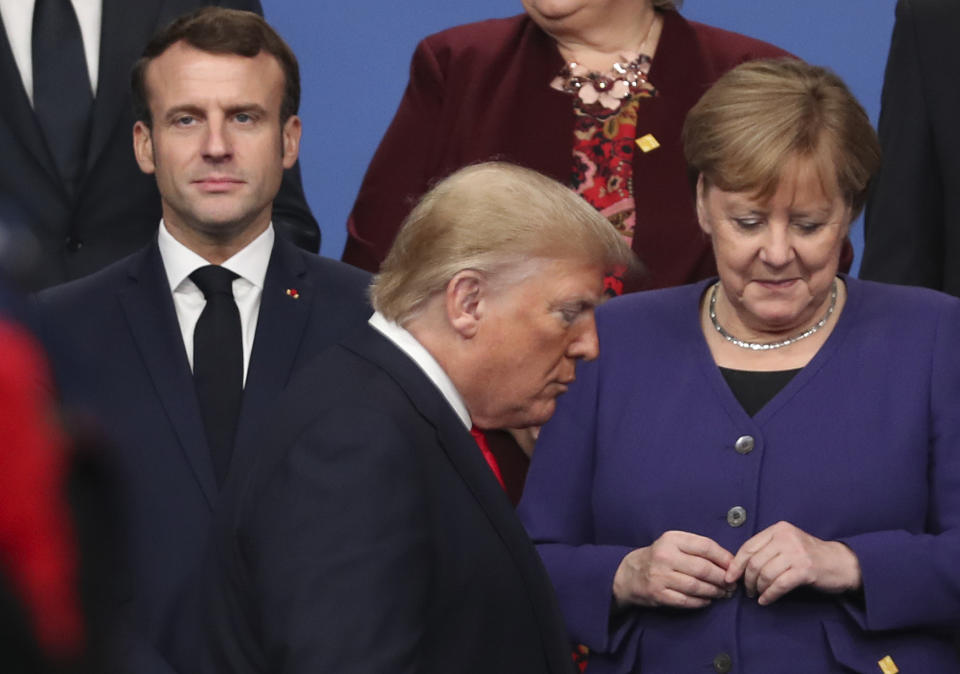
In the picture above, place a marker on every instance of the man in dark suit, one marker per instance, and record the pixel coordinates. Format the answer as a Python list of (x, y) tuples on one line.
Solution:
[(371, 533), (177, 369), (105, 209), (912, 222)]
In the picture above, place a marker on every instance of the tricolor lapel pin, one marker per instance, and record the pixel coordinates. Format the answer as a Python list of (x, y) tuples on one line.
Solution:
[(294, 293)]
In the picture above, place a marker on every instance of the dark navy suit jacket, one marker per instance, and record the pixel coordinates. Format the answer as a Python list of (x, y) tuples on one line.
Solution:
[(912, 222), (371, 536), (133, 375)]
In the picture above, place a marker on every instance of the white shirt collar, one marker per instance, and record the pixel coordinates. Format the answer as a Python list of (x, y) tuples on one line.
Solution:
[(250, 263), (407, 343)]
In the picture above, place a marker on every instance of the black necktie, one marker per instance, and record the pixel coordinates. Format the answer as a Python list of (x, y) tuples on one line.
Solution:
[(218, 363), (62, 99)]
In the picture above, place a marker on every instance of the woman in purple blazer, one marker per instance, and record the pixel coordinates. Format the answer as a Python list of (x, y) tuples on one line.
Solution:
[(761, 473)]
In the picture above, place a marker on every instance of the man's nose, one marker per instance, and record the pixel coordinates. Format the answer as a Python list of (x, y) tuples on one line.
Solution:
[(586, 345), (217, 142)]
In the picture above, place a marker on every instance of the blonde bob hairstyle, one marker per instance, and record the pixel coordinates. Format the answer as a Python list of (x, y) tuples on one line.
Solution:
[(760, 115), (493, 218)]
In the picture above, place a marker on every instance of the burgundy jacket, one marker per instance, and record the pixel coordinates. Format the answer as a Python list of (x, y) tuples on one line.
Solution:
[(481, 91)]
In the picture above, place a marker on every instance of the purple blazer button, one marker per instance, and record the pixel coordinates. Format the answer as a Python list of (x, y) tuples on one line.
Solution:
[(722, 663), (736, 516)]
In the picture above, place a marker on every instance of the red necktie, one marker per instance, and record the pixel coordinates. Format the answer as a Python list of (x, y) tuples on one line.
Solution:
[(487, 454)]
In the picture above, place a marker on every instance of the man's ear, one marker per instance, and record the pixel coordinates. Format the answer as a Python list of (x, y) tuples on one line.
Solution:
[(143, 147), (464, 299), (291, 131), (702, 206)]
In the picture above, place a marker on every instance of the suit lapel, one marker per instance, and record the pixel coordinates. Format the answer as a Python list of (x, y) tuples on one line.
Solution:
[(125, 28), (280, 329), (457, 443), (148, 305), (18, 112), (468, 461)]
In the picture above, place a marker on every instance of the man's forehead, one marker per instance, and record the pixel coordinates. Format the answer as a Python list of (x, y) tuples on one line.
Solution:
[(182, 64), (560, 281)]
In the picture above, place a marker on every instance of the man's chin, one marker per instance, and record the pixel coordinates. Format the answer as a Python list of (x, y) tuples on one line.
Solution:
[(538, 416), (225, 226)]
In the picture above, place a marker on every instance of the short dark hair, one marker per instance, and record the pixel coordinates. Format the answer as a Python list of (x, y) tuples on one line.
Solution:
[(219, 31)]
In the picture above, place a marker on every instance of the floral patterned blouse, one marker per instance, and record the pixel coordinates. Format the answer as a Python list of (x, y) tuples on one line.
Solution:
[(605, 136)]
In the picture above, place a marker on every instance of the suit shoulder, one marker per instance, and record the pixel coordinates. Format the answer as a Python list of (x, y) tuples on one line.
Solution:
[(478, 33), (96, 285), (339, 282), (734, 48), (652, 304), (476, 47), (652, 317), (336, 390), (335, 271), (901, 302)]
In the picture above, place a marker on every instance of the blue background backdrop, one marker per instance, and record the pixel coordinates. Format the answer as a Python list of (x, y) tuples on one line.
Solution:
[(354, 59)]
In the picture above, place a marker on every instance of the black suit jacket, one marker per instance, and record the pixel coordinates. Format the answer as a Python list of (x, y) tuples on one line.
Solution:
[(117, 208), (371, 536), (912, 224), (131, 372)]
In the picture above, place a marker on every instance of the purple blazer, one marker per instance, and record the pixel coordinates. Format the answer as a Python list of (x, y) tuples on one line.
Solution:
[(862, 446), (481, 91)]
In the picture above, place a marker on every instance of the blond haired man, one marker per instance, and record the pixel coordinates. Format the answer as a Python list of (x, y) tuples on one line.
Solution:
[(372, 535)]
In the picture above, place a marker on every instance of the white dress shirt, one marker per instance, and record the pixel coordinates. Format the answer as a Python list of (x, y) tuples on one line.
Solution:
[(18, 21), (250, 264), (419, 355)]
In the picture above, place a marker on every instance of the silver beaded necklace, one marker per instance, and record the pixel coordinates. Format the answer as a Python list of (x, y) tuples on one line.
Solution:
[(766, 346)]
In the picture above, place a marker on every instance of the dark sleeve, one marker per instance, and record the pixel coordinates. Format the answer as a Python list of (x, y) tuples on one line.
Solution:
[(401, 168), (904, 220), (338, 551), (248, 5), (292, 217)]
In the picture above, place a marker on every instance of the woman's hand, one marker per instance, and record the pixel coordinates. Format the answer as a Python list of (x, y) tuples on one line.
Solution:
[(679, 569), (782, 557)]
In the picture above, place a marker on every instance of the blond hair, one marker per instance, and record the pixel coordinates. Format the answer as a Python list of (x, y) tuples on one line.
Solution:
[(760, 115), (491, 217)]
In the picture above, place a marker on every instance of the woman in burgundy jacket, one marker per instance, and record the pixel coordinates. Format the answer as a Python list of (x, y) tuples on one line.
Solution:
[(609, 126)]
